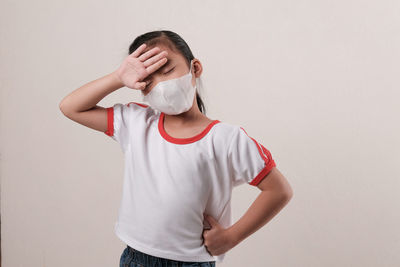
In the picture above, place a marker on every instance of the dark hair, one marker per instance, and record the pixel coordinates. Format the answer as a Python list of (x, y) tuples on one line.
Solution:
[(174, 42)]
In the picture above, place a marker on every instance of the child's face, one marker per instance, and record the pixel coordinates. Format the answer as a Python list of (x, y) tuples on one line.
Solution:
[(175, 67)]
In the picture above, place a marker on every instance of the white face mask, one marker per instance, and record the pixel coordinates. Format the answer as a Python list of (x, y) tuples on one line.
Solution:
[(172, 96)]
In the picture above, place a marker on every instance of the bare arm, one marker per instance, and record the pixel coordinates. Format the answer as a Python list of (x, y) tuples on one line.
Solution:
[(88, 95), (276, 193), (81, 104)]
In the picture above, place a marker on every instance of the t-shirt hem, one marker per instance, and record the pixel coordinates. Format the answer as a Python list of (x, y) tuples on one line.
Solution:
[(157, 253)]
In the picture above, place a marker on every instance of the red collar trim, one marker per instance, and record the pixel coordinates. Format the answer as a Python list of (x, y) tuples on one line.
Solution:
[(182, 140)]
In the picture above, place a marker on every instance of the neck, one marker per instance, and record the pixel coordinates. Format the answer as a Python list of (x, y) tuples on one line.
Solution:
[(192, 115)]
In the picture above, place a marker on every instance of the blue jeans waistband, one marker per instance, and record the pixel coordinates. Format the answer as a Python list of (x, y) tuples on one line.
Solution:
[(149, 260)]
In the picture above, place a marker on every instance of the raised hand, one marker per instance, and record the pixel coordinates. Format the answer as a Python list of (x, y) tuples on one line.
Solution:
[(138, 66)]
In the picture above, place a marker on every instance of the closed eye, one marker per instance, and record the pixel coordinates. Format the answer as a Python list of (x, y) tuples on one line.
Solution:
[(149, 82), (169, 71)]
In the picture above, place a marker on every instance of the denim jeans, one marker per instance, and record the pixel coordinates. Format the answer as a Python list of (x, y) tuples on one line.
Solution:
[(134, 258)]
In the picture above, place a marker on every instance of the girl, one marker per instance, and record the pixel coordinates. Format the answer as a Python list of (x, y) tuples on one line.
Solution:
[(180, 165)]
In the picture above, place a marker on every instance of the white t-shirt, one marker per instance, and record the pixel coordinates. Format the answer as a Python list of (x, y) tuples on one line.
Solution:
[(170, 182)]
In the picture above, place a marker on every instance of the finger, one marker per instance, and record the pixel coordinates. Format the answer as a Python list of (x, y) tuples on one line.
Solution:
[(205, 232), (149, 53), (138, 51), (211, 220), (152, 68), (155, 58), (140, 85)]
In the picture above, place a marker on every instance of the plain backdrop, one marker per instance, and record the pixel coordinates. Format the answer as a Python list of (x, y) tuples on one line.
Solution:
[(316, 82)]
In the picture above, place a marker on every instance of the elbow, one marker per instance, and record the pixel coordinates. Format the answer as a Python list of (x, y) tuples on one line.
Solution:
[(61, 107), (64, 105), (287, 194), (64, 108)]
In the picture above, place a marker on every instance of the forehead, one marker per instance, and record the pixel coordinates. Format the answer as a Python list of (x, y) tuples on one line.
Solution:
[(173, 56)]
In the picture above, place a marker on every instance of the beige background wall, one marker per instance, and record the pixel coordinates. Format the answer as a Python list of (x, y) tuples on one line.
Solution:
[(316, 82)]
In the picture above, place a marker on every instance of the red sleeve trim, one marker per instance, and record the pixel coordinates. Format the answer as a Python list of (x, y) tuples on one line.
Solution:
[(110, 121), (110, 118), (267, 157), (268, 167), (140, 104)]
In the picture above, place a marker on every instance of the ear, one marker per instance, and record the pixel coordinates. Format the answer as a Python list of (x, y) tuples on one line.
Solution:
[(197, 67)]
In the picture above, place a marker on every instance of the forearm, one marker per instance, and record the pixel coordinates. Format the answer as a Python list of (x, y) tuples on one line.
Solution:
[(261, 211), (88, 95)]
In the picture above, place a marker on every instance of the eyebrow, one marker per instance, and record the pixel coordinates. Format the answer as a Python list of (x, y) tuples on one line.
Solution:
[(167, 64), (164, 66)]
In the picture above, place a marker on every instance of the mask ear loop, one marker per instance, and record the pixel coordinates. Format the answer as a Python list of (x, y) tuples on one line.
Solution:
[(190, 71), (195, 80)]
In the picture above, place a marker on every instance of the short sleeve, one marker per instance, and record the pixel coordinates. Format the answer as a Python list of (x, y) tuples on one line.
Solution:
[(119, 121), (249, 161)]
